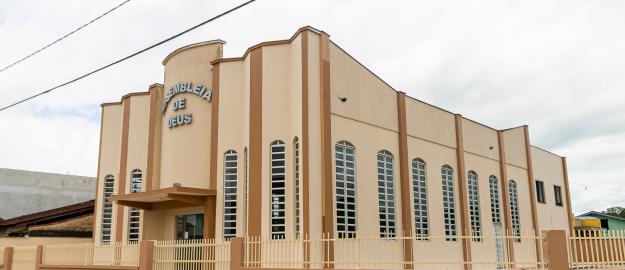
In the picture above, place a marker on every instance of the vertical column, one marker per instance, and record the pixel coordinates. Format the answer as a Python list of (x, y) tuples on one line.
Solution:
[(152, 174), (8, 258), (255, 142), (326, 148), (237, 251), (38, 257), (210, 206), (97, 204), (462, 185), (146, 255), (532, 187), (569, 207), (404, 178), (504, 195), (305, 147), (121, 184)]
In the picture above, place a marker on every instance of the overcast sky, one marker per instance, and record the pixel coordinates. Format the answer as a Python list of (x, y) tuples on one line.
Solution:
[(558, 66)]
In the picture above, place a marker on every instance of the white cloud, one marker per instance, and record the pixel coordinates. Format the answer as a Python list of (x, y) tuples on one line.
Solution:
[(555, 65)]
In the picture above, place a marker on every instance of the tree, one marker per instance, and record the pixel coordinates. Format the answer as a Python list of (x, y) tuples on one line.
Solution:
[(615, 211)]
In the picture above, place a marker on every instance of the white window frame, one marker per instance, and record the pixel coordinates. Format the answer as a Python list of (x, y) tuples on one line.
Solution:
[(514, 210), (495, 207), (474, 206), (297, 187), (449, 204), (278, 189), (386, 194), (420, 199), (108, 190), (134, 214), (230, 182), (346, 201)]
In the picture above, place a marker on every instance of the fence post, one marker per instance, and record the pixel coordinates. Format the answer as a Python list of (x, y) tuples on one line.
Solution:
[(555, 250), (146, 254), (8, 258), (39, 257), (236, 253)]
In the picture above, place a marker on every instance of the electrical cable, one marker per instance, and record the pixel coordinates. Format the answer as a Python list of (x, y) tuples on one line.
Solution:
[(127, 57), (63, 37)]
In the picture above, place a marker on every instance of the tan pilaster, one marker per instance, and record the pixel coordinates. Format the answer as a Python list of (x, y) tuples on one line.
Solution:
[(152, 174), (210, 205), (555, 250), (38, 257), (146, 255), (305, 146), (97, 204), (8, 258), (326, 148), (255, 143), (404, 179), (569, 207), (465, 230), (121, 184), (532, 188), (236, 253), (503, 167)]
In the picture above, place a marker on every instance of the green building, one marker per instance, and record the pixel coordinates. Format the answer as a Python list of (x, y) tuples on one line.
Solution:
[(608, 222)]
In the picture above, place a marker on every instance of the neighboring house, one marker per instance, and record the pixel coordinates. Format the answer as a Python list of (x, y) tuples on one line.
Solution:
[(74, 220), (607, 222), (25, 192)]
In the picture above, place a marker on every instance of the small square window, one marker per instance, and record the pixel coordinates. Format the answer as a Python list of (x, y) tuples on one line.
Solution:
[(540, 191), (557, 190)]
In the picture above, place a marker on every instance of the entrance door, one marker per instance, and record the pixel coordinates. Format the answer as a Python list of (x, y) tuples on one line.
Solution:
[(499, 246), (190, 227)]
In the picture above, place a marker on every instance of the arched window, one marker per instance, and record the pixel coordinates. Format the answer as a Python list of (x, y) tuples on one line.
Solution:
[(386, 194), (514, 210), (474, 206), (278, 170), (449, 203), (230, 193), (345, 189), (134, 217), (246, 187), (297, 186), (420, 199), (493, 186), (107, 208)]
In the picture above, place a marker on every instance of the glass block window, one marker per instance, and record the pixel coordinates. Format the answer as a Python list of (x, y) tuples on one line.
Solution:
[(514, 210), (386, 194), (345, 189), (296, 163), (449, 203), (278, 181), (107, 208), (230, 193), (134, 217), (474, 206), (420, 199), (495, 208)]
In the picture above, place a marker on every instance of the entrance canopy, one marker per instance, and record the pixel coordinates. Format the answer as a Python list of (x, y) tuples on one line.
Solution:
[(166, 198)]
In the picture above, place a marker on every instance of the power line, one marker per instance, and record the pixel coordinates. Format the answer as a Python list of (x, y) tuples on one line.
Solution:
[(129, 56), (63, 37)]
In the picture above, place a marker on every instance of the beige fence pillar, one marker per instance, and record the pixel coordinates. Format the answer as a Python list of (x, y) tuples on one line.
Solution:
[(146, 255), (8, 258), (236, 253), (39, 257), (555, 250)]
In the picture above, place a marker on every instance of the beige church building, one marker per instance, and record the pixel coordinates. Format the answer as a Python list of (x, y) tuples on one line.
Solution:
[(296, 139)]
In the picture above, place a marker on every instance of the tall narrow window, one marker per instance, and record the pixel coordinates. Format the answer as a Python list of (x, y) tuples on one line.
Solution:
[(345, 190), (449, 203), (493, 186), (134, 218), (386, 194), (557, 190), (474, 206), (420, 199), (297, 187), (278, 174), (540, 191), (514, 210), (245, 184), (107, 208), (230, 193)]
